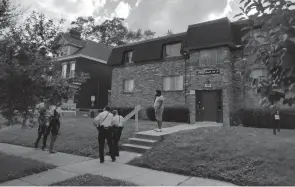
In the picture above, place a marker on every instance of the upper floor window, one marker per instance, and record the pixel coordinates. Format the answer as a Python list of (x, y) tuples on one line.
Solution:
[(64, 70), (172, 50), (128, 85), (258, 74), (128, 56), (72, 69), (173, 83)]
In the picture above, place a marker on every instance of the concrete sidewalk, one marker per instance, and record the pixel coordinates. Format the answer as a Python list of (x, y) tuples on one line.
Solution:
[(69, 166)]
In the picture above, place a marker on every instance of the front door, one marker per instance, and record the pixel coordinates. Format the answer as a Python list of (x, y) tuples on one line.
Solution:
[(210, 106), (207, 106)]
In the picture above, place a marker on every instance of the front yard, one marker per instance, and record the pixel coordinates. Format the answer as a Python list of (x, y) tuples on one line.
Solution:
[(243, 156), (78, 135), (12, 167)]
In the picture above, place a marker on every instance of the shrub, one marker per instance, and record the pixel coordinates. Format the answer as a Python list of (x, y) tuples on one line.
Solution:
[(170, 114), (261, 119)]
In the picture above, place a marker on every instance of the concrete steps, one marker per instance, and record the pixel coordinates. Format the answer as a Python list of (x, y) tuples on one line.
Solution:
[(144, 142), (141, 142), (135, 148)]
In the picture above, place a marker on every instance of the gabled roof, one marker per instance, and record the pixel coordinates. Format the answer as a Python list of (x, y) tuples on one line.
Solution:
[(95, 50), (87, 49)]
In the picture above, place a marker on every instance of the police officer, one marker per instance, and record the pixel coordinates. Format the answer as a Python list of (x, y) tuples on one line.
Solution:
[(117, 123), (105, 131)]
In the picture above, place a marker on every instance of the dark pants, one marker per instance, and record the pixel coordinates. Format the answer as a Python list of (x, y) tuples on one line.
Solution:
[(52, 128), (276, 126), (116, 139), (40, 134), (105, 134)]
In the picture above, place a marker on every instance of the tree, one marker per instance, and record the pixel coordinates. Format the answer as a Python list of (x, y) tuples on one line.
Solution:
[(110, 32), (8, 14), (269, 40), (27, 73)]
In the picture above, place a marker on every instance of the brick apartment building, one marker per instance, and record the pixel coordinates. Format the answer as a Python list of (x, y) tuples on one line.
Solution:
[(195, 70), (77, 55)]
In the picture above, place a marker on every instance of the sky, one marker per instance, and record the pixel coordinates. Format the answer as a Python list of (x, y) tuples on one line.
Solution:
[(157, 15)]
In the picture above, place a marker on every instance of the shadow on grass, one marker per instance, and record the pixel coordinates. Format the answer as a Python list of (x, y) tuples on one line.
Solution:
[(12, 167)]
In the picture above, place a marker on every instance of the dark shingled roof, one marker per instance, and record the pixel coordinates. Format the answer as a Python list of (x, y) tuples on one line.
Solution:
[(145, 50), (95, 50), (89, 48), (73, 40), (209, 34), (199, 36)]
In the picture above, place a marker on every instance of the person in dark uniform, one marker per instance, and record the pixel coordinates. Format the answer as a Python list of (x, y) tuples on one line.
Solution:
[(42, 120), (53, 128), (105, 132), (275, 118), (117, 124)]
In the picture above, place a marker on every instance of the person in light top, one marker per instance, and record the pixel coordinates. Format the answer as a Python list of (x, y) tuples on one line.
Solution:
[(159, 109), (53, 127), (103, 123), (117, 123)]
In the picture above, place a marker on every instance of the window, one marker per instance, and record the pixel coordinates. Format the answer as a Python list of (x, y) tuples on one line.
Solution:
[(128, 85), (64, 70), (257, 74), (173, 83), (128, 57), (72, 69), (172, 50)]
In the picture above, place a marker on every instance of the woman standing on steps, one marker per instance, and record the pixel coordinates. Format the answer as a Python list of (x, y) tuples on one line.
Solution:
[(159, 109)]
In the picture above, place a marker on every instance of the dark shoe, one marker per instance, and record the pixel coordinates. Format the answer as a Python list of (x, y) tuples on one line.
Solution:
[(114, 159), (43, 148), (52, 152), (102, 161)]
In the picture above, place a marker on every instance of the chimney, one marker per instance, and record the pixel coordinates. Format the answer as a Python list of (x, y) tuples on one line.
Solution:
[(75, 33)]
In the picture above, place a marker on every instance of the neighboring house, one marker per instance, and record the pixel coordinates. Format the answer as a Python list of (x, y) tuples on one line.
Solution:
[(196, 70), (77, 55)]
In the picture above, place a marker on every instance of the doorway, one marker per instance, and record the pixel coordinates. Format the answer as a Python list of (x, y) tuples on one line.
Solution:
[(209, 105)]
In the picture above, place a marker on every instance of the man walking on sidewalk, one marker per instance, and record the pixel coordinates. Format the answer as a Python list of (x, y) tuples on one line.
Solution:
[(105, 132), (117, 124)]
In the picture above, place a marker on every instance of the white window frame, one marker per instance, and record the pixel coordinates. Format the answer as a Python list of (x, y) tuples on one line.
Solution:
[(128, 88), (64, 70), (72, 69), (168, 48), (128, 56), (170, 83)]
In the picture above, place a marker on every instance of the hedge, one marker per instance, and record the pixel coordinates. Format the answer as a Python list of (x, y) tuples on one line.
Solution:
[(261, 119), (170, 114)]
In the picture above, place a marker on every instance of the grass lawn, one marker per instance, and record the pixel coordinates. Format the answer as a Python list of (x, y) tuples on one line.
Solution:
[(92, 180), (12, 167), (243, 156), (78, 135)]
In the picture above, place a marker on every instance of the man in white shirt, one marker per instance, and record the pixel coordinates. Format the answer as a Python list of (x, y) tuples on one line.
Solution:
[(103, 123), (117, 123)]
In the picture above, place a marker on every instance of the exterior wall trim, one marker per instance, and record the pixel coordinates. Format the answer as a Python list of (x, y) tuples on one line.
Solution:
[(82, 56)]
